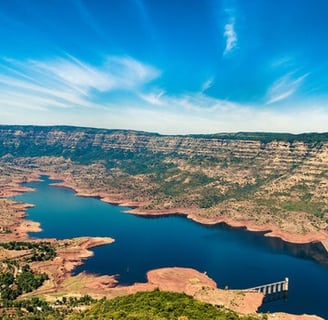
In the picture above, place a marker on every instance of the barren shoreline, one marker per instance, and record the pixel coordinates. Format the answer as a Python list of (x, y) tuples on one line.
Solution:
[(171, 279), (270, 230)]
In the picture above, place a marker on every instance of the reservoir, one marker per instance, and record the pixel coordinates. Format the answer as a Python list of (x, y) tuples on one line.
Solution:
[(232, 257)]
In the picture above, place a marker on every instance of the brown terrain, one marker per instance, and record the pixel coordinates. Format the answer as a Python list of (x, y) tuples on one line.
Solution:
[(71, 252), (277, 186)]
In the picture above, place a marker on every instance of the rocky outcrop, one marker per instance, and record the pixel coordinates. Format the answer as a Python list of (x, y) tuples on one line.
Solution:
[(268, 179)]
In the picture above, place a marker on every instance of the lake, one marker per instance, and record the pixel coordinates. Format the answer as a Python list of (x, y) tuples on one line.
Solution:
[(232, 257)]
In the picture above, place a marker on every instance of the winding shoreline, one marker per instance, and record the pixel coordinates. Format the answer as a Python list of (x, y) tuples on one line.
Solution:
[(108, 283), (270, 230)]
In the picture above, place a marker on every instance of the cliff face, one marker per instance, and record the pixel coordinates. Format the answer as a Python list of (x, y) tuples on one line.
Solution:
[(267, 178)]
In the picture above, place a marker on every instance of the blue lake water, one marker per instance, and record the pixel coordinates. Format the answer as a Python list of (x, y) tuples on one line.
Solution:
[(232, 257)]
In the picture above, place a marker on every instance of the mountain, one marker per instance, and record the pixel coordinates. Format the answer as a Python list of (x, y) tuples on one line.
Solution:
[(267, 178)]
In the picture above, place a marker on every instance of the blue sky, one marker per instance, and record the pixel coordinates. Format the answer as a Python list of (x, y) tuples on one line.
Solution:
[(168, 66)]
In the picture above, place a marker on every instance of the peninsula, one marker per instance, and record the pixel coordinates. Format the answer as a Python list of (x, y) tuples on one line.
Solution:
[(266, 182), (263, 181)]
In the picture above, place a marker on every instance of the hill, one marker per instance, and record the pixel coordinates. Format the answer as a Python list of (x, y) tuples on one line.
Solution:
[(273, 180), (155, 305)]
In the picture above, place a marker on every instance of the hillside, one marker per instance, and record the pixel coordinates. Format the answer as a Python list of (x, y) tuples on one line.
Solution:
[(155, 305), (270, 179)]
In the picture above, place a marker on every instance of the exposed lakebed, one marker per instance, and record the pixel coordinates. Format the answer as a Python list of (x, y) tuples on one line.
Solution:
[(232, 257)]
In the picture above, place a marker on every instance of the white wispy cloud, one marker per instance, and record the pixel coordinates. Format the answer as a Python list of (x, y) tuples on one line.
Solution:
[(13, 99), (130, 73), (230, 36), (201, 104), (207, 84), (283, 61), (76, 75), (196, 113), (68, 82), (153, 98), (284, 87), (120, 94)]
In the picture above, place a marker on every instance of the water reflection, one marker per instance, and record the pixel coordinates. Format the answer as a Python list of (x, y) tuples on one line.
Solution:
[(278, 296), (311, 251), (234, 257)]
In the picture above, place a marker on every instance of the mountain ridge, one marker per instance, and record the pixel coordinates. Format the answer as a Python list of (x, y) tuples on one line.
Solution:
[(267, 181), (238, 135)]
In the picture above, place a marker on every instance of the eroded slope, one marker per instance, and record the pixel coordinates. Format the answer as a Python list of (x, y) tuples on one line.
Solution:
[(270, 179)]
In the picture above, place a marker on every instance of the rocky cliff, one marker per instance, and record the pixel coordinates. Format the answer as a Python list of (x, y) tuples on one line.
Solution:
[(278, 179)]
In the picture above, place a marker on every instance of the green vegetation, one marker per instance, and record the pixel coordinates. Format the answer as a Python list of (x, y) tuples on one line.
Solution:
[(314, 208), (30, 309), (156, 305), (5, 230), (40, 251), (39, 309), (42, 141), (75, 302), (139, 162), (266, 137), (263, 176), (210, 197), (16, 277), (22, 280), (258, 180)]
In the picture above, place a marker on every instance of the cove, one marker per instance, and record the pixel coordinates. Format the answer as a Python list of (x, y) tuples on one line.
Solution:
[(232, 257)]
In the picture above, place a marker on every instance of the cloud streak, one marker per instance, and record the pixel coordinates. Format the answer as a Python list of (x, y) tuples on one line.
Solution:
[(284, 87), (120, 93), (231, 37), (197, 113), (68, 82), (207, 85)]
